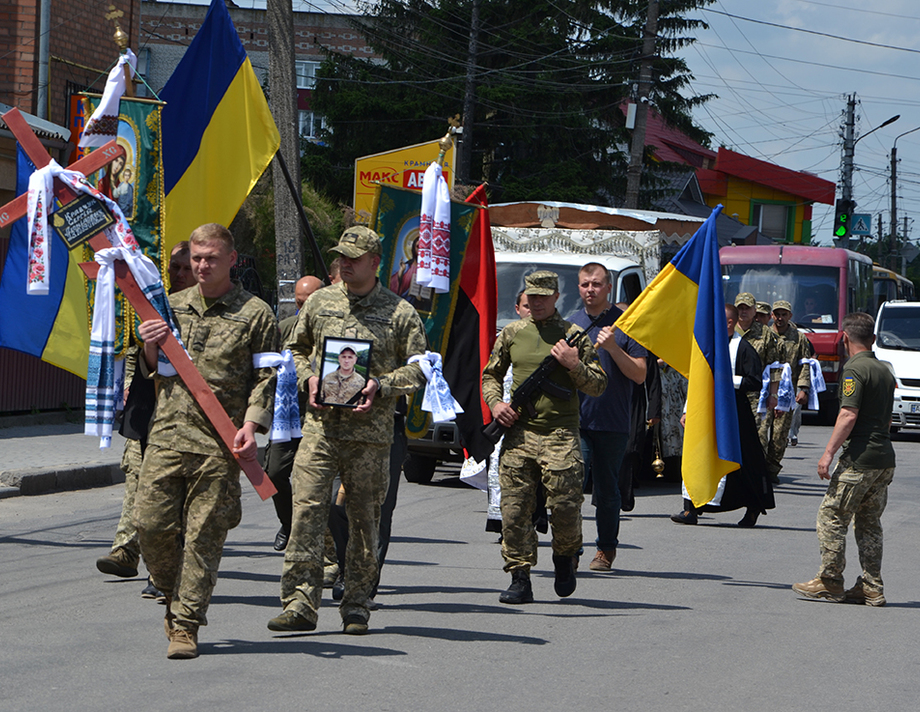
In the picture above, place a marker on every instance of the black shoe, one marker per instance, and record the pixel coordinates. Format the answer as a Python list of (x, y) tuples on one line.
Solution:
[(151, 591), (564, 584), (338, 588), (685, 517), (520, 590), (749, 519), (281, 539)]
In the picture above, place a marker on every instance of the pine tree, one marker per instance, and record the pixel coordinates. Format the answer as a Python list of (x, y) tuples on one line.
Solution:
[(550, 78)]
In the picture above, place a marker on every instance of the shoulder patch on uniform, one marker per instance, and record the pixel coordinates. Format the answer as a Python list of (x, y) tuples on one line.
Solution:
[(849, 386)]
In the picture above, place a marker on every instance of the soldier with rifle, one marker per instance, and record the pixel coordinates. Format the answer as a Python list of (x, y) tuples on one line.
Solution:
[(542, 441)]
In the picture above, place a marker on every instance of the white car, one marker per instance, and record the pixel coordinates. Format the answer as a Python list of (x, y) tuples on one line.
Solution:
[(897, 341)]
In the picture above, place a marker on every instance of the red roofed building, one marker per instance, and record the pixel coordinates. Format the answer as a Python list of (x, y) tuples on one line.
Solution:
[(775, 200)]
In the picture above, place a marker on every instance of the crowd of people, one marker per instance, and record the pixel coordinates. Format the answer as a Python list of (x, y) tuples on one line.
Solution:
[(582, 431)]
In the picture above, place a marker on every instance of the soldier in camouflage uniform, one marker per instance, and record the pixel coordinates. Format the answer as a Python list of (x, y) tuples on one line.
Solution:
[(351, 442), (763, 314), (792, 347), (858, 489), (765, 343), (544, 447), (124, 557), (342, 385), (188, 495)]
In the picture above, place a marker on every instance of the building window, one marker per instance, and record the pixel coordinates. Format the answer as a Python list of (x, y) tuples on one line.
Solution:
[(772, 220), (306, 74), (143, 69), (310, 123)]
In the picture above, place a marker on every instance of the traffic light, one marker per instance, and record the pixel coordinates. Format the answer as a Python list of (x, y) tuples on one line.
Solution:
[(842, 217)]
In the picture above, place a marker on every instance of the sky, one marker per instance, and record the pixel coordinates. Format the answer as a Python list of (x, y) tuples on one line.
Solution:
[(782, 90)]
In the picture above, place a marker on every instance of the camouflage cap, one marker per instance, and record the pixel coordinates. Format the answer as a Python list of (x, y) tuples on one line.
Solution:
[(782, 304), (745, 298), (356, 241), (541, 283), (763, 307)]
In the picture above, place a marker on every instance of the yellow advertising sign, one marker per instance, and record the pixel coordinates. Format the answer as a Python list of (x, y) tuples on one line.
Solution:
[(403, 167)]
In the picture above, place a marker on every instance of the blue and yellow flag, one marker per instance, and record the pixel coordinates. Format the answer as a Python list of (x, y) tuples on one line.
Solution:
[(680, 317), (55, 326), (218, 133)]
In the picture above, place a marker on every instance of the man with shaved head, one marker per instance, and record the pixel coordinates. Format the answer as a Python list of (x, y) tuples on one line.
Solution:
[(279, 456)]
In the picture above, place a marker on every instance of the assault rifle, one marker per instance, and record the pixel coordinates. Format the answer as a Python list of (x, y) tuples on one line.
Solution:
[(538, 381)]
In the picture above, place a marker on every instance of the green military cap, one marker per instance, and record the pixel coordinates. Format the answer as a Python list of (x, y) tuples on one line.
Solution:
[(356, 241), (782, 304), (763, 307), (745, 298), (541, 283)]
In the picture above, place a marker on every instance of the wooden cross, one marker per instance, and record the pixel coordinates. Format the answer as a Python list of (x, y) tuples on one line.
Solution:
[(193, 380)]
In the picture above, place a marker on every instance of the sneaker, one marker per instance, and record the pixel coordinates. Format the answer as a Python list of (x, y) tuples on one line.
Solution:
[(330, 574), (820, 588), (863, 596), (119, 563), (151, 592), (685, 517), (183, 644), (281, 540), (603, 560), (338, 588), (353, 624), (520, 590), (564, 585), (291, 621), (793, 442)]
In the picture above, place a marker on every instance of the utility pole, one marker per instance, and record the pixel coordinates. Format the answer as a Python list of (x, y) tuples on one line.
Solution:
[(465, 149), (637, 148), (849, 148), (893, 237), (288, 241)]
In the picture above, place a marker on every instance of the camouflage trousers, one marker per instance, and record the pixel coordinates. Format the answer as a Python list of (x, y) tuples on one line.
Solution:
[(364, 470), (774, 434), (186, 503), (529, 458), (126, 532), (861, 496)]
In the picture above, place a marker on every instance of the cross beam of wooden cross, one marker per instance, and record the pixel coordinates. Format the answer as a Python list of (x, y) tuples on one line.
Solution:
[(186, 370)]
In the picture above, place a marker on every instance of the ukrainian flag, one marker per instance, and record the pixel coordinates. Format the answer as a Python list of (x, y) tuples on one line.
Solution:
[(55, 326), (218, 133), (681, 318)]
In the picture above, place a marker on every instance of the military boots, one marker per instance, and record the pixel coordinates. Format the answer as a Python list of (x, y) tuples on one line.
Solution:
[(520, 590)]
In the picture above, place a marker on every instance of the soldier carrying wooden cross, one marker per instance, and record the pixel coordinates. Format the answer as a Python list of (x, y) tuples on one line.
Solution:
[(188, 493)]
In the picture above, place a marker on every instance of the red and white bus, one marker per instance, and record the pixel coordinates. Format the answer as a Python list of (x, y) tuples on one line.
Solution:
[(823, 284)]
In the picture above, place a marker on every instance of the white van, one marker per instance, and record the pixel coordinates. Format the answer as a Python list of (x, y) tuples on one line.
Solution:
[(897, 341), (626, 276)]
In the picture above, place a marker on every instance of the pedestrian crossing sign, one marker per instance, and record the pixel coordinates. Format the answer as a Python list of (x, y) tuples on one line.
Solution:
[(861, 224)]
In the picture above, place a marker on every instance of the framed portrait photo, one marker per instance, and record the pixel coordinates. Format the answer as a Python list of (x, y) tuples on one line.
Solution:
[(344, 371)]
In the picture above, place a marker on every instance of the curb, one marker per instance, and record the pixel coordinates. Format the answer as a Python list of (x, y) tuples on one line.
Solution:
[(43, 480)]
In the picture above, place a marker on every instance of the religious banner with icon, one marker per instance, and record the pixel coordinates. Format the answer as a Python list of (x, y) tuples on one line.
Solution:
[(452, 319), (135, 182)]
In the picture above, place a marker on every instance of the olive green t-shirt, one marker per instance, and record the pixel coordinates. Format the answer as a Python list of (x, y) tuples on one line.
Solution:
[(868, 385), (530, 346)]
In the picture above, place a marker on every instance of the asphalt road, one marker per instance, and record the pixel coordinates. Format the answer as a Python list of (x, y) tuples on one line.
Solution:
[(693, 618)]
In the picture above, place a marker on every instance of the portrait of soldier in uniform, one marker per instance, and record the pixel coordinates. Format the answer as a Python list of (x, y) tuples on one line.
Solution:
[(343, 385)]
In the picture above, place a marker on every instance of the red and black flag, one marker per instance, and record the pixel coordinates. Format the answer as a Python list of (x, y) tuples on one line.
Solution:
[(460, 323)]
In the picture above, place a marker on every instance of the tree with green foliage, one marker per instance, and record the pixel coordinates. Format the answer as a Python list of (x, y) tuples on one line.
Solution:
[(550, 77)]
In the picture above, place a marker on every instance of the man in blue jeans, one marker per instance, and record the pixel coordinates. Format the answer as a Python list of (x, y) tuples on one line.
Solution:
[(604, 419)]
